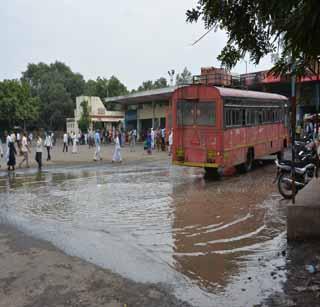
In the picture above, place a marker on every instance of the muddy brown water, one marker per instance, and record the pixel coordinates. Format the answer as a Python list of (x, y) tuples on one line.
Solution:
[(214, 242)]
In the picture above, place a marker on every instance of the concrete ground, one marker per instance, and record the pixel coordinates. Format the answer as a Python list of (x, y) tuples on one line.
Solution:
[(33, 273), (85, 155)]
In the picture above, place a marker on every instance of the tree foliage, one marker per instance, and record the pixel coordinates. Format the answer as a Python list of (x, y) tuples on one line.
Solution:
[(263, 26), (17, 105), (57, 88), (184, 78), (151, 85), (84, 121), (103, 87)]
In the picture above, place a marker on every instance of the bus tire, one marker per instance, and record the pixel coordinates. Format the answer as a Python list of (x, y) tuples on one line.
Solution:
[(246, 166), (212, 173)]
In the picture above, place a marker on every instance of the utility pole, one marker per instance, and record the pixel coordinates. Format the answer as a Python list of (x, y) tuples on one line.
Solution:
[(293, 127)]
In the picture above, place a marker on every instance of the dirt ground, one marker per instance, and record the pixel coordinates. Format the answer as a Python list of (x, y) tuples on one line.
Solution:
[(36, 274)]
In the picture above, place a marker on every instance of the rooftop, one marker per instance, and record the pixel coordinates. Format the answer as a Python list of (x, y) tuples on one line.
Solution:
[(140, 97)]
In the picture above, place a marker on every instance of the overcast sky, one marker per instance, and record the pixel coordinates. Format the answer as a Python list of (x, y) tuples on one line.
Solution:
[(135, 40)]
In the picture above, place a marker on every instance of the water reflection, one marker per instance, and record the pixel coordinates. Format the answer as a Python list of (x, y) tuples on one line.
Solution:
[(216, 224), (152, 222)]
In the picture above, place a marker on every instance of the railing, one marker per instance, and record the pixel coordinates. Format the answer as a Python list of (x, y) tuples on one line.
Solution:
[(218, 79)]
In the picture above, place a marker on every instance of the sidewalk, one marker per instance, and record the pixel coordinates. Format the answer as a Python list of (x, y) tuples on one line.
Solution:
[(303, 220)]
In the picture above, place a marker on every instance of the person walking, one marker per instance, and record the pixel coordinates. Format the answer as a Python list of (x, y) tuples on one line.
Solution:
[(30, 138), (158, 139), (48, 145), (170, 142), (25, 150), (97, 152), (39, 151), (12, 155), (149, 143), (132, 140), (117, 149), (19, 140), (65, 142), (8, 140), (152, 139), (74, 143), (163, 139), (1, 151)]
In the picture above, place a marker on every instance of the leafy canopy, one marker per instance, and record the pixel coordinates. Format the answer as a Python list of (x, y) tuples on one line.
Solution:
[(184, 78), (57, 88), (84, 121), (16, 103), (261, 27), (152, 85)]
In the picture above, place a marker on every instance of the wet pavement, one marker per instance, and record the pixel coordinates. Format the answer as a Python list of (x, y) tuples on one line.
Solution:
[(214, 242)]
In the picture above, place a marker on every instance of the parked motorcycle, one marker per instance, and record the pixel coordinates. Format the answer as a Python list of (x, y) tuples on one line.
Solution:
[(305, 168)]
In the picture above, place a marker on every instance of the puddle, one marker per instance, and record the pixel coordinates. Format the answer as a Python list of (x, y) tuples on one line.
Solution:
[(215, 243)]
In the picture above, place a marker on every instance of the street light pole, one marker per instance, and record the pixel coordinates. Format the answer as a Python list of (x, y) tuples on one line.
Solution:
[(171, 74)]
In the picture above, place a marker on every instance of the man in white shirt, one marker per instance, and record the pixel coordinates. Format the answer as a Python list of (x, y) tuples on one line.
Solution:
[(65, 142), (25, 150)]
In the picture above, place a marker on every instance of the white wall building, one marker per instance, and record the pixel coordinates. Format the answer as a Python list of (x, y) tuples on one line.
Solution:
[(98, 114)]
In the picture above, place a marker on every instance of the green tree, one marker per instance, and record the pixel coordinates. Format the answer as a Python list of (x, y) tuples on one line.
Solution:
[(160, 83), (150, 85), (84, 122), (116, 88), (145, 86), (261, 27), (17, 105), (90, 88), (103, 87), (57, 87), (184, 78)]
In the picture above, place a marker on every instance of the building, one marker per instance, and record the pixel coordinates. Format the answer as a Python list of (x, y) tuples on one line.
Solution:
[(307, 89), (99, 115), (145, 110)]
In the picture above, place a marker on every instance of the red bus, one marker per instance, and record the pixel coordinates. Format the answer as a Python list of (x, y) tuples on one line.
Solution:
[(217, 127)]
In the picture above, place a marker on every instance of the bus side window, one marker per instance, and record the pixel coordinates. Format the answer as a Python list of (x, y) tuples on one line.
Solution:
[(228, 118), (243, 117), (259, 117)]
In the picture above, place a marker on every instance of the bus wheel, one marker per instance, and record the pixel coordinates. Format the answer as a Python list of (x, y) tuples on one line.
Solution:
[(212, 173), (246, 166)]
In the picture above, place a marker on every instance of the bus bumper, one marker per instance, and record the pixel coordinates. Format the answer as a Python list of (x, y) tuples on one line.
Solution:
[(197, 164)]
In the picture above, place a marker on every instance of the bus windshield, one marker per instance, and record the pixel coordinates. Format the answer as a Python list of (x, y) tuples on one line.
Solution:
[(200, 113)]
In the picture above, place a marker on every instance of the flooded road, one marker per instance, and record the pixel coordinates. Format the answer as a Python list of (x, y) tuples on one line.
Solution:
[(214, 243)]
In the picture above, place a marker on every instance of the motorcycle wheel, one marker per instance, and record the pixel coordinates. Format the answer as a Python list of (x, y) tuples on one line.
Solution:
[(285, 188)]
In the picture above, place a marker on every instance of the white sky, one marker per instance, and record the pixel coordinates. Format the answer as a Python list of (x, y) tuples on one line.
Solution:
[(135, 40)]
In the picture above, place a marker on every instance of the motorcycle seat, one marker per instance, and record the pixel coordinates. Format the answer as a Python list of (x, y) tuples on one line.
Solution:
[(299, 164)]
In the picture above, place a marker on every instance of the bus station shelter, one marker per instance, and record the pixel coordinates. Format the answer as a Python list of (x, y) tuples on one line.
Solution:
[(146, 109)]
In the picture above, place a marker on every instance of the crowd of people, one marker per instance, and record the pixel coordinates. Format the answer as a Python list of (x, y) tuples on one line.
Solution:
[(21, 144)]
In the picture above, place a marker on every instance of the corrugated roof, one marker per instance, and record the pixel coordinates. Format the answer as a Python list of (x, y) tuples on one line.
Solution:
[(231, 92), (156, 94)]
